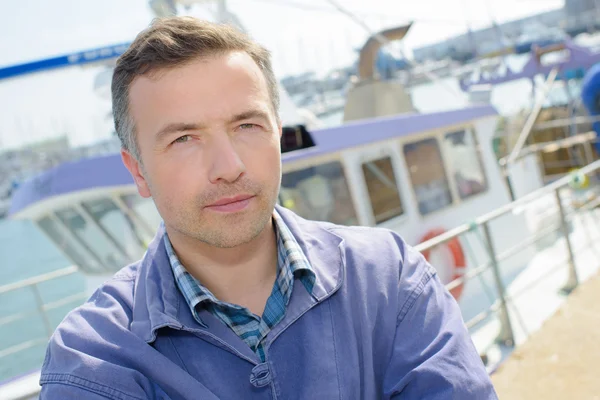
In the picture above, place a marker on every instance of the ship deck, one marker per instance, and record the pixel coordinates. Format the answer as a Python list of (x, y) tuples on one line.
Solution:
[(559, 361)]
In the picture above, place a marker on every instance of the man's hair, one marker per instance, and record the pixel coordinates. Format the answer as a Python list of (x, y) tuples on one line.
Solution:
[(172, 42)]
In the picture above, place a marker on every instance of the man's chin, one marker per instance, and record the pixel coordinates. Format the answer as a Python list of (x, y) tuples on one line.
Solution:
[(232, 231), (227, 240)]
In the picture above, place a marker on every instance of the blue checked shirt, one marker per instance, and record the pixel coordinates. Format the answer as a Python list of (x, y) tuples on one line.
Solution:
[(291, 264)]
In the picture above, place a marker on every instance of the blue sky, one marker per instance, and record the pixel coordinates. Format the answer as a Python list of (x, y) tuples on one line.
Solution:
[(302, 34)]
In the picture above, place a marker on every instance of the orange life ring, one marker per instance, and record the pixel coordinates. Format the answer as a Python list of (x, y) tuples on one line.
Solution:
[(458, 258)]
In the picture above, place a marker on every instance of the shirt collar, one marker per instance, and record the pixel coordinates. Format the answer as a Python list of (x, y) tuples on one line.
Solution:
[(156, 302), (291, 264)]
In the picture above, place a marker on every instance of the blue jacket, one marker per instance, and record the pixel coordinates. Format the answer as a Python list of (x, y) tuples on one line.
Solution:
[(378, 325)]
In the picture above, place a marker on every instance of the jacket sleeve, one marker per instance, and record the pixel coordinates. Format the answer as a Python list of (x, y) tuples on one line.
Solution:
[(56, 391), (433, 356)]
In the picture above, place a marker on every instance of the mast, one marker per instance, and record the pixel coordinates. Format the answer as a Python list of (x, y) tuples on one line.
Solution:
[(470, 34)]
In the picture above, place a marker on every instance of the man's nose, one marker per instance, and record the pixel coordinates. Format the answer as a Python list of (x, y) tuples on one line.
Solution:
[(226, 165)]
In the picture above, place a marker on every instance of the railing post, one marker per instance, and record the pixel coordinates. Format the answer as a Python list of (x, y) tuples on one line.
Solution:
[(508, 182), (40, 304), (506, 335), (573, 280), (589, 152)]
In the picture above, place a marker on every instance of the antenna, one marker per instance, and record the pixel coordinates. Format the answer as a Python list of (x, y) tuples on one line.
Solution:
[(470, 34)]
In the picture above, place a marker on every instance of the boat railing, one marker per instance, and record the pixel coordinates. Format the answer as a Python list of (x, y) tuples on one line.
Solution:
[(580, 147), (42, 308), (578, 144), (587, 139), (564, 122), (574, 195), (531, 119)]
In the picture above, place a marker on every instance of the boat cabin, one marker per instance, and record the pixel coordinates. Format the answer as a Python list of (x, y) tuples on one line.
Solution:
[(413, 173)]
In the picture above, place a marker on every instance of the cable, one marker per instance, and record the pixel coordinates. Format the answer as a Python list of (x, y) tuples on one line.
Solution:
[(313, 7)]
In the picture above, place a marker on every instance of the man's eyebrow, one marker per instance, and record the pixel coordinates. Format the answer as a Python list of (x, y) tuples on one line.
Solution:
[(185, 126), (177, 127), (248, 115)]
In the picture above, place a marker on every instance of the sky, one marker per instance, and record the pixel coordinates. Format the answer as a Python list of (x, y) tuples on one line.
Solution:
[(302, 35)]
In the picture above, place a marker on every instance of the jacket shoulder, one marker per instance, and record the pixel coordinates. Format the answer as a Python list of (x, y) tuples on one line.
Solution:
[(370, 239), (113, 299), (382, 260), (383, 245), (381, 249), (93, 348), (110, 305)]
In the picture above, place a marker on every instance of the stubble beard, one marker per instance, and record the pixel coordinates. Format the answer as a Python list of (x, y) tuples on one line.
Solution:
[(222, 230)]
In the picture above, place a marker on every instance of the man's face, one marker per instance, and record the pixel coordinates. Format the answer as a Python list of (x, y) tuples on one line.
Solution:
[(209, 148)]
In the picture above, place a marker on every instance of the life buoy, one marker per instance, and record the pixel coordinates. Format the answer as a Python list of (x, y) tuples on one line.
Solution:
[(458, 259)]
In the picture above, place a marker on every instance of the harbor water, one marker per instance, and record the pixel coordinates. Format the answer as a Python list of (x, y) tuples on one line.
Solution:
[(24, 253)]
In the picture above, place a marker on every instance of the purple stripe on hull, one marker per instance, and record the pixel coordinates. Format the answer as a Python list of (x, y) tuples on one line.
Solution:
[(70, 177)]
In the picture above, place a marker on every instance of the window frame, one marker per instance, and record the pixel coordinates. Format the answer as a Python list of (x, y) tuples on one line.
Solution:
[(468, 129), (453, 193), (298, 165), (375, 153), (96, 267), (139, 236), (109, 240)]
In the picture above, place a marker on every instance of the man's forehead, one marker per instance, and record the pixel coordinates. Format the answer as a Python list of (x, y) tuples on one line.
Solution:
[(232, 62), (233, 77)]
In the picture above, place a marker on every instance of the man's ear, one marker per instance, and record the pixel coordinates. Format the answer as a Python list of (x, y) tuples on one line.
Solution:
[(135, 169)]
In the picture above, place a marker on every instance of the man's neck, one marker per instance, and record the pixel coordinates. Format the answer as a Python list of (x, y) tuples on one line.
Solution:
[(242, 275)]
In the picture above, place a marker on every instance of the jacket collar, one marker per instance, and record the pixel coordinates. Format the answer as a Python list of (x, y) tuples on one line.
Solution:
[(157, 302)]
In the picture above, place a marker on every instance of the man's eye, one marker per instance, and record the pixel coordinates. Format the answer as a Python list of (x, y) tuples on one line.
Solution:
[(182, 139), (245, 127)]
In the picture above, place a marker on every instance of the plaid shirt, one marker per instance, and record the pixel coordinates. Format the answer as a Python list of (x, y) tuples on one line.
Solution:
[(291, 264)]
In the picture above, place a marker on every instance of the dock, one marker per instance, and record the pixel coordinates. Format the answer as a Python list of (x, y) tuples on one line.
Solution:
[(561, 360)]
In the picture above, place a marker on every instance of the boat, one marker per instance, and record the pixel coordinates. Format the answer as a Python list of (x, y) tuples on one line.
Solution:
[(564, 109), (569, 58), (419, 174), (536, 35)]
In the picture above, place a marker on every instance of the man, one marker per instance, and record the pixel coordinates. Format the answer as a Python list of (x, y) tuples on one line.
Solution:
[(237, 298)]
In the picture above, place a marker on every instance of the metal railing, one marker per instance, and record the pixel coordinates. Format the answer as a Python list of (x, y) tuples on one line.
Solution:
[(585, 140), (42, 308), (500, 307), (531, 119), (562, 122)]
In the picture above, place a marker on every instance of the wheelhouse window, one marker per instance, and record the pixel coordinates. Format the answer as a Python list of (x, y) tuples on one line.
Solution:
[(72, 248), (383, 191), (463, 156), (108, 252), (143, 208), (427, 175), (119, 225), (319, 193)]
